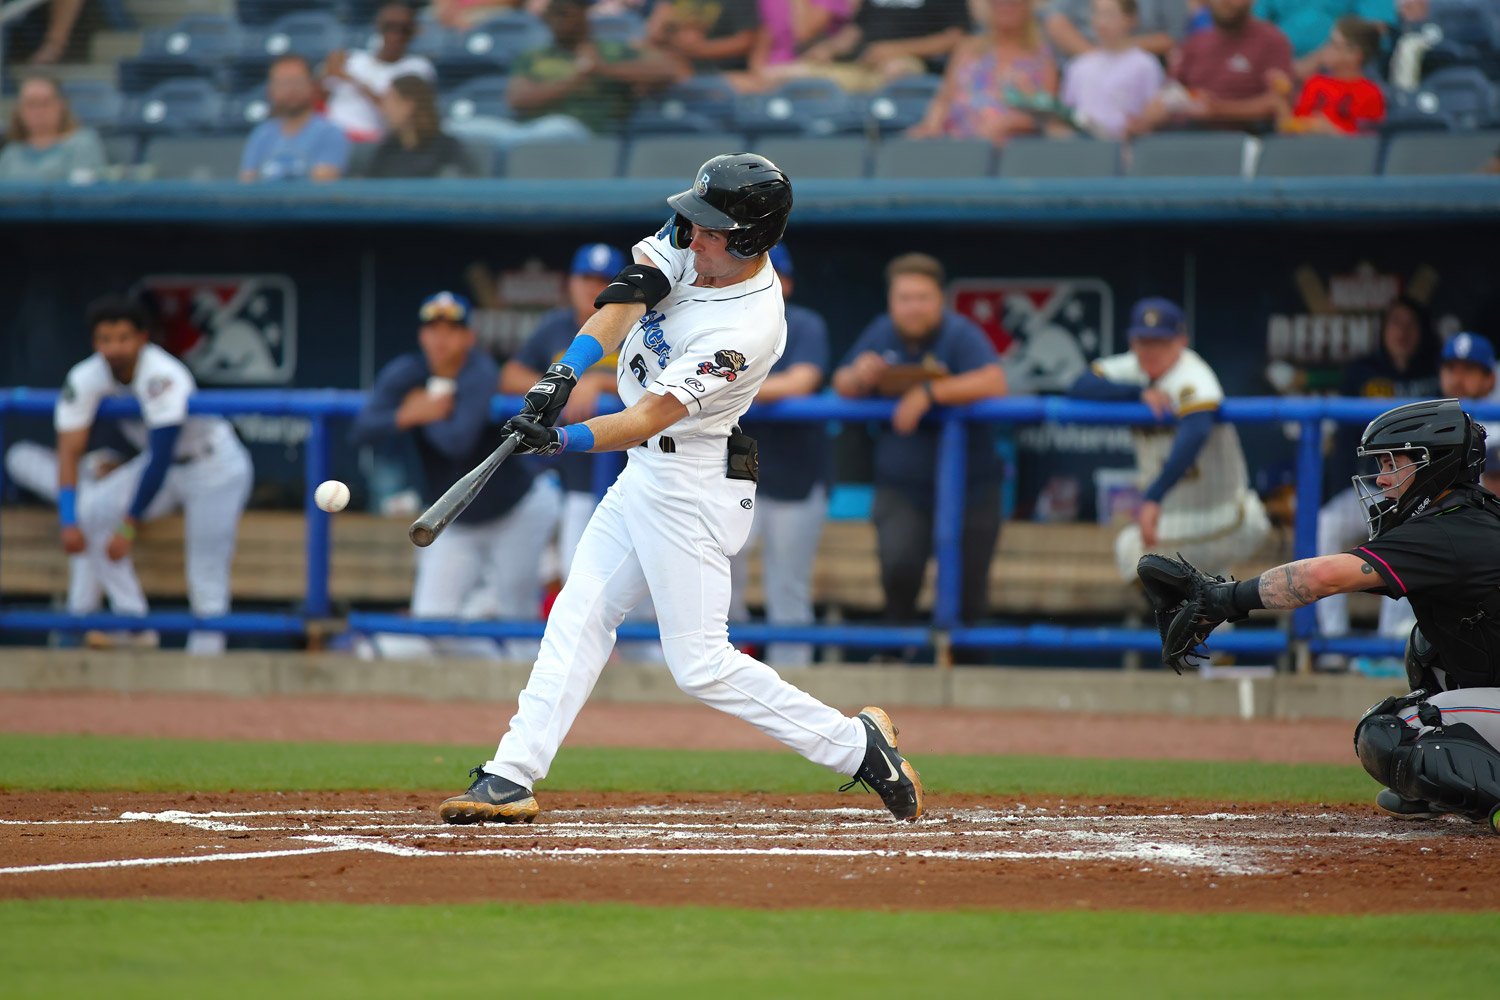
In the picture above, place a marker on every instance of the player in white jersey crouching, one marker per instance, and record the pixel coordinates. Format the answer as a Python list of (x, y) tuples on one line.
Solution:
[(1197, 498), (698, 321)]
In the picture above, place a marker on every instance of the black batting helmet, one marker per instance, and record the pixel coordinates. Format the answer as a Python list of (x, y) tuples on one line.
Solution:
[(741, 194), (1446, 446)]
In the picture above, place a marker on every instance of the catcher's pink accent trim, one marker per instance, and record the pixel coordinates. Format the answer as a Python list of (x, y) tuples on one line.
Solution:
[(1396, 576)]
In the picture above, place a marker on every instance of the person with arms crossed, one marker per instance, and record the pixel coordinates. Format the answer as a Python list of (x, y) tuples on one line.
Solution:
[(1197, 495), (793, 500), (485, 563), (698, 321)]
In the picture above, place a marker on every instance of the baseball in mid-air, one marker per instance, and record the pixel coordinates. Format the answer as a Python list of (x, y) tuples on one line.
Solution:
[(331, 495)]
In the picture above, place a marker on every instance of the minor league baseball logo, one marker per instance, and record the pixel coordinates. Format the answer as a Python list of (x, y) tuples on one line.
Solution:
[(726, 364), (238, 329), (1047, 330)]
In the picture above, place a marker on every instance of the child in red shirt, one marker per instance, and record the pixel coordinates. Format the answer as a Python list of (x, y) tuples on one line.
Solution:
[(1341, 100)]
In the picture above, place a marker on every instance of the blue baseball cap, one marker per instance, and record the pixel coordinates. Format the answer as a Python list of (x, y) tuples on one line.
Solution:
[(597, 259), (781, 260), (1156, 318), (445, 306), (1470, 347)]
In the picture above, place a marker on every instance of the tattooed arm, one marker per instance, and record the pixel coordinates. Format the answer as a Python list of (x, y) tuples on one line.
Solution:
[(1295, 584)]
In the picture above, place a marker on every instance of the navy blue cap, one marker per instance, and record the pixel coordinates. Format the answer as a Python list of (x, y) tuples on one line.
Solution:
[(1156, 318), (781, 260), (445, 306), (597, 259), (1470, 347)]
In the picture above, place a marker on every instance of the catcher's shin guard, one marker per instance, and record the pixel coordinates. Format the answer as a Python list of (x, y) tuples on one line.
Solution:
[(1451, 767)]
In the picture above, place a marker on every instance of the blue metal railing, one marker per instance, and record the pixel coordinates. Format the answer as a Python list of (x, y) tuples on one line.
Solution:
[(321, 407)]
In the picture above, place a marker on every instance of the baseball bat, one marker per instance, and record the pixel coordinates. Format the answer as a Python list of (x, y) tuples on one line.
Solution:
[(425, 529)]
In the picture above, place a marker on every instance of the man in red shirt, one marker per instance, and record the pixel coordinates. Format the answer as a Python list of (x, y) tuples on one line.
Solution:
[(1340, 100), (1221, 80)]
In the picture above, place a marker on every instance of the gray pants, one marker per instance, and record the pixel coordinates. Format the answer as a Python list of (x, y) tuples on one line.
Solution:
[(1477, 707), (903, 534)]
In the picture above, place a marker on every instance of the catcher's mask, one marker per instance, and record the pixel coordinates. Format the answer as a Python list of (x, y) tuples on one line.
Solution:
[(1445, 446)]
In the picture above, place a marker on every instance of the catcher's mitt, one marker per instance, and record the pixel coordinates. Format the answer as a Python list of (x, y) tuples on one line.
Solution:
[(1189, 604)]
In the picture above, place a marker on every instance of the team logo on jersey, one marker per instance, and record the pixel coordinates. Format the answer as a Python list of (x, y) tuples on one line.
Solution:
[(1047, 330), (638, 369), (656, 341), (726, 364), (229, 329), (157, 385)]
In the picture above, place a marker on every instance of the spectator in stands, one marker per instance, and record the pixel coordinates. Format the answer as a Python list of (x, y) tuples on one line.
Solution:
[(1306, 23), (295, 143), (796, 465), (787, 28), (416, 145), (889, 39), (704, 36), (1222, 79), (485, 562), (990, 78), (925, 355), (461, 15), (357, 81), (45, 142), (1157, 26), (592, 82), (1341, 100), (62, 15), (1413, 36), (1110, 85)]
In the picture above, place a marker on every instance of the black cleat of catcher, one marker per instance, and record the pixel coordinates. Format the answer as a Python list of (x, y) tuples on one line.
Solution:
[(1401, 808), (490, 798), (884, 771)]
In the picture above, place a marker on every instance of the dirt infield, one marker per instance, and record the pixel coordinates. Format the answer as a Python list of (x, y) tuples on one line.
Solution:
[(767, 851)]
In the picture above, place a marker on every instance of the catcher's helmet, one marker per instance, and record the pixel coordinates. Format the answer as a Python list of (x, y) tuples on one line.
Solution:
[(1447, 448), (741, 194)]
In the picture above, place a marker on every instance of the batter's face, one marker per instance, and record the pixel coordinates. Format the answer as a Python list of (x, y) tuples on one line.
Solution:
[(916, 305), (712, 259), (1157, 355), (445, 345), (1466, 380), (119, 343)]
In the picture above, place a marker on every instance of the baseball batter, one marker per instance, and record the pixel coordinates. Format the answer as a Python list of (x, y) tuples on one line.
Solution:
[(698, 321), (1197, 498), (195, 463)]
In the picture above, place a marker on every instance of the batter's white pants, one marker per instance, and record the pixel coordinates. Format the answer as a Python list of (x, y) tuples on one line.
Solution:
[(578, 507), (788, 531), (485, 570), (1213, 551), (211, 491), (667, 527), (1341, 526)]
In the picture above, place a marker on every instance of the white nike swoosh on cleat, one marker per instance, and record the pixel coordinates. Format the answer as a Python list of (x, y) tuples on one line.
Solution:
[(895, 775)]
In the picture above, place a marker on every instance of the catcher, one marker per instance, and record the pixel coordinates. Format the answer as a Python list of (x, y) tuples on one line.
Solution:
[(1434, 539)]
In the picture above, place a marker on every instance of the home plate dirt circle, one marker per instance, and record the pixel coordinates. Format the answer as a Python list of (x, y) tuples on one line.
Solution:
[(744, 850)]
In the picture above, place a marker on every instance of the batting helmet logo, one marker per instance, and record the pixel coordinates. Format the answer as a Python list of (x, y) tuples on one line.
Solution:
[(726, 364)]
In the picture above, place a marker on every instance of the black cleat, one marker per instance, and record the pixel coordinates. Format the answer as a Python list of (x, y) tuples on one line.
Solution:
[(490, 798), (884, 771), (1402, 808)]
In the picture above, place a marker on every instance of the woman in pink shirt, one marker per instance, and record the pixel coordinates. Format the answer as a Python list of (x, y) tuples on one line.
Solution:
[(1011, 59), (1108, 86)]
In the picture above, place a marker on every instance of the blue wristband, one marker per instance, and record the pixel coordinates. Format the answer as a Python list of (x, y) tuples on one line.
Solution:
[(583, 353), (67, 506), (576, 437)]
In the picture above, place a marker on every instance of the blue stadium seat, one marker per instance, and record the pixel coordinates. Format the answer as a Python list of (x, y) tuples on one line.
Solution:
[(1054, 159), (818, 158), (587, 160), (198, 46), (121, 149), (934, 159), (676, 157), (177, 106), (492, 47), (1186, 154), (1318, 156), (1474, 23), (311, 35), (813, 105), (482, 96), (1433, 154), (699, 104), (245, 110), (622, 27), (901, 103), (261, 13), (194, 158), (95, 103), (1462, 95)]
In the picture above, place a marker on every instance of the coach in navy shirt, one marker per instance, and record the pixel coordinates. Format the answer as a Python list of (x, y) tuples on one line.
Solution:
[(485, 562), (925, 355), (795, 469)]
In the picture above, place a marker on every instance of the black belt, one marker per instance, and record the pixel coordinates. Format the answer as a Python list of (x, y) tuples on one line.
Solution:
[(665, 445)]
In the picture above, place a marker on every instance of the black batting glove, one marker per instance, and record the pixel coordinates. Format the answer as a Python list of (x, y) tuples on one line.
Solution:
[(546, 399), (536, 439)]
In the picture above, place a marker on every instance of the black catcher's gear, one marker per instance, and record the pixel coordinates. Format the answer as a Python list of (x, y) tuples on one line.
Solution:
[(1447, 448), (1451, 768), (1188, 603), (741, 194)]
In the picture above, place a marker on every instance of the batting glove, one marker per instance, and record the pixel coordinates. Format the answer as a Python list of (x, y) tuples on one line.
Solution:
[(536, 439), (546, 399)]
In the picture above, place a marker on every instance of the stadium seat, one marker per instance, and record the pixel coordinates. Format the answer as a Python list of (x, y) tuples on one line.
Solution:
[(120, 149), (491, 47), (902, 103), (481, 97), (195, 158), (197, 46), (839, 157), (360, 156), (698, 104), (246, 110), (1072, 159), (1201, 154), (311, 35), (812, 105), (262, 13), (1462, 95), (1474, 23), (177, 106), (1319, 156), (939, 159), (95, 103), (622, 27), (676, 156), (1440, 153), (590, 159)]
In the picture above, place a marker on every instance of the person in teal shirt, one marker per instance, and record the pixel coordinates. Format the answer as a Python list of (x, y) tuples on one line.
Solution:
[(1308, 22)]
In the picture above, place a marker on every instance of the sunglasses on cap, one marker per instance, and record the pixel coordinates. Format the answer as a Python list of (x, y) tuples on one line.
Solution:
[(444, 309)]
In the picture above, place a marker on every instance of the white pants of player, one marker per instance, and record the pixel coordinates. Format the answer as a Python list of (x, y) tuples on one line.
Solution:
[(1220, 540), (485, 570), (788, 531), (1341, 526), (667, 527), (211, 491), (34, 468), (578, 507)]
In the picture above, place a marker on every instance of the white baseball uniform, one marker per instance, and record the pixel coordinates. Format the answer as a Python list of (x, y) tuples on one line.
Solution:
[(1210, 515), (668, 527), (209, 479)]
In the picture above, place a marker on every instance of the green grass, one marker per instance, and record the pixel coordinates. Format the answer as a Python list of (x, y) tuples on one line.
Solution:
[(73, 763), (170, 949)]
